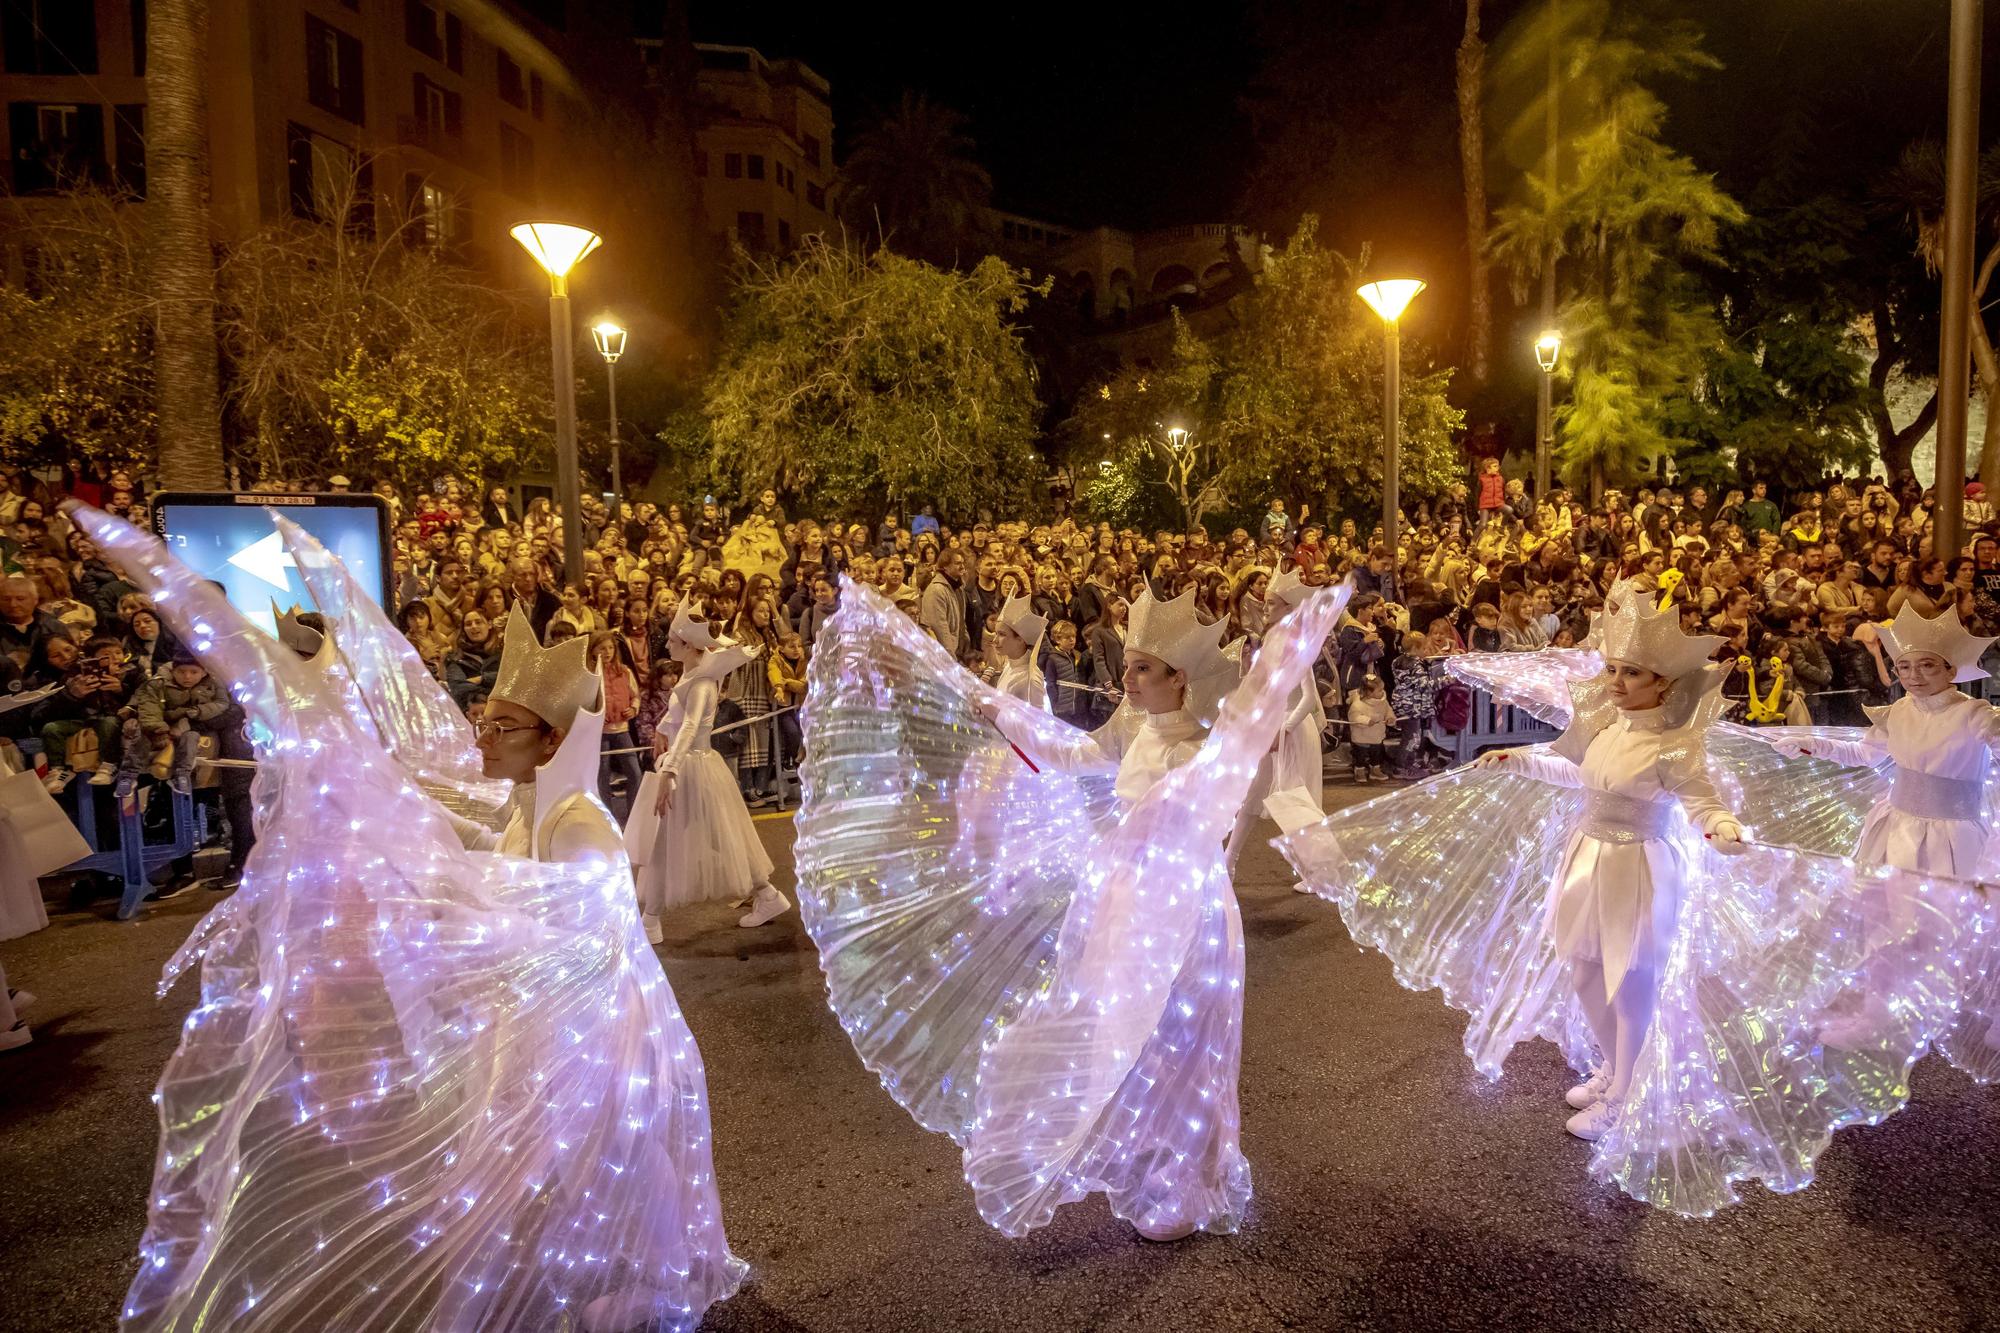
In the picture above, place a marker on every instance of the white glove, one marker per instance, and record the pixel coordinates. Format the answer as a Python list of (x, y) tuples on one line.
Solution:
[(1491, 759), (1791, 749), (1728, 838)]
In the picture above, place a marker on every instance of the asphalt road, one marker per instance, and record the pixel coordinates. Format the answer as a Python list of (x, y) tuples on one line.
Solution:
[(1396, 1189)]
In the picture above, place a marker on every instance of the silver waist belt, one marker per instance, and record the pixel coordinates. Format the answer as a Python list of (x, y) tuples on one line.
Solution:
[(1609, 817), (1928, 796)]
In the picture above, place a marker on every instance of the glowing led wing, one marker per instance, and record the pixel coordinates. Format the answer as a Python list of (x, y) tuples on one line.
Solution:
[(423, 1088), (1786, 1013), (1121, 1076), (1536, 683), (1449, 879), (934, 864), (1807, 802), (409, 711)]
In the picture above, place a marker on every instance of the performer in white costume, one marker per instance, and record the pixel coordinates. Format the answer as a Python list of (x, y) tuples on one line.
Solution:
[(690, 836), (1018, 641), (541, 731), (1934, 817), (423, 1087), (1297, 786), (1069, 1008), (1588, 907)]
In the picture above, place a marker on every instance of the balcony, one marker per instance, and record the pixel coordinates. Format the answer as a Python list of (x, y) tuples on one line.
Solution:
[(414, 132)]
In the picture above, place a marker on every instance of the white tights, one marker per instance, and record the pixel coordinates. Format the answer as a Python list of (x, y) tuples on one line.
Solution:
[(1620, 1024), (7, 1015)]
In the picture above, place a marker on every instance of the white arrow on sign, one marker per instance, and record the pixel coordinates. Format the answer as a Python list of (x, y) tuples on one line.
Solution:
[(268, 560)]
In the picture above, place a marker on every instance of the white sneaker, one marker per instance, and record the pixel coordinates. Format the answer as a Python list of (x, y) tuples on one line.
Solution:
[(1165, 1232), (767, 905), (634, 1307), (654, 935), (1591, 1091), (1591, 1124), (104, 776), (15, 1036), (20, 999)]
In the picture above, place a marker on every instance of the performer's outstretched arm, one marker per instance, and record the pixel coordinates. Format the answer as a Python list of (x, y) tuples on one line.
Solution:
[(1533, 761)]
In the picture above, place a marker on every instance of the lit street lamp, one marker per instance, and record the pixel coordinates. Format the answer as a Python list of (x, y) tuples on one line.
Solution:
[(1548, 348), (610, 340), (558, 248), (1389, 299)]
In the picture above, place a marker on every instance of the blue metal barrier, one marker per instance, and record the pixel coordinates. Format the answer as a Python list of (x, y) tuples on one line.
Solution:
[(1493, 726), (132, 858)]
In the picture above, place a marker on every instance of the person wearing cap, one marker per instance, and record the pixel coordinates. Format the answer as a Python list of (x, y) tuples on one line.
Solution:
[(338, 484), (1978, 509), (691, 838), (1616, 898)]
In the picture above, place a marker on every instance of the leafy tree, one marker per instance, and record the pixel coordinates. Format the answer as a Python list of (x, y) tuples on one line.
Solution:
[(1289, 400), (846, 379), (1630, 221), (358, 347), (77, 378), (910, 183)]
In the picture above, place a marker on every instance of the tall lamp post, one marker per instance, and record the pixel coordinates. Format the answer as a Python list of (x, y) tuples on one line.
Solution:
[(1389, 299), (1548, 348), (610, 340), (558, 248), (1961, 184)]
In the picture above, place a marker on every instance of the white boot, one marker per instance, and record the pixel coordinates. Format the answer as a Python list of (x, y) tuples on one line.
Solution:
[(767, 905), (654, 935), (15, 1036), (1591, 1123), (1591, 1091)]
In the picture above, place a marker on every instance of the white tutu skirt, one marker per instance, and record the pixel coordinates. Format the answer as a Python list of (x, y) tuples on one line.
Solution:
[(704, 849)]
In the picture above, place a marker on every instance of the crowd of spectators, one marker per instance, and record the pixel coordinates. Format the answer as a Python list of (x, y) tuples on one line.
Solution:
[(1793, 589)]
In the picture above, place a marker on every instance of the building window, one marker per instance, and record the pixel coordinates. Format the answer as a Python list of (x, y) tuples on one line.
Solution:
[(438, 112), (437, 34), (535, 96), (139, 37), (333, 70), (517, 162), (128, 148), (755, 166), (812, 149), (732, 165), (701, 161), (49, 36), (816, 196), (328, 183), (435, 222), (750, 230), (513, 82), (55, 144), (784, 234)]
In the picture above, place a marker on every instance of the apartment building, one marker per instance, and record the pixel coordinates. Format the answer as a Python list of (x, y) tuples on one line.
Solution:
[(441, 112)]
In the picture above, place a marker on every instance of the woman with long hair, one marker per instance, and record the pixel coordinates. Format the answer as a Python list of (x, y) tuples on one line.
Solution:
[(1919, 584), (621, 704), (474, 668)]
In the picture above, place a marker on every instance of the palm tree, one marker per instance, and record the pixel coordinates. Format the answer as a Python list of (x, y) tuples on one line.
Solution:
[(910, 184), (1472, 165), (185, 372)]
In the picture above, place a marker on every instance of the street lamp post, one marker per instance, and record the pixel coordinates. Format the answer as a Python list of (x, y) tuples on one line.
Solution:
[(558, 248), (1388, 299), (1548, 348), (1961, 184), (610, 340)]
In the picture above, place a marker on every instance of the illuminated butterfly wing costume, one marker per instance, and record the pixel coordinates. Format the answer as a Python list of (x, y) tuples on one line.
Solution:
[(1045, 973), (423, 1088), (1450, 879)]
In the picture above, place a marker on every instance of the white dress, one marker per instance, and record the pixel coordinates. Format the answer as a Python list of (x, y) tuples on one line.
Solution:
[(21, 909), (1934, 821), (705, 848), (1299, 764), (1617, 896)]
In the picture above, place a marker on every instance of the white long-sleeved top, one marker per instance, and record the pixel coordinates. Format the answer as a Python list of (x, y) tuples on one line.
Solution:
[(1141, 748), (1019, 679), (690, 722), (1618, 899), (1944, 735)]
